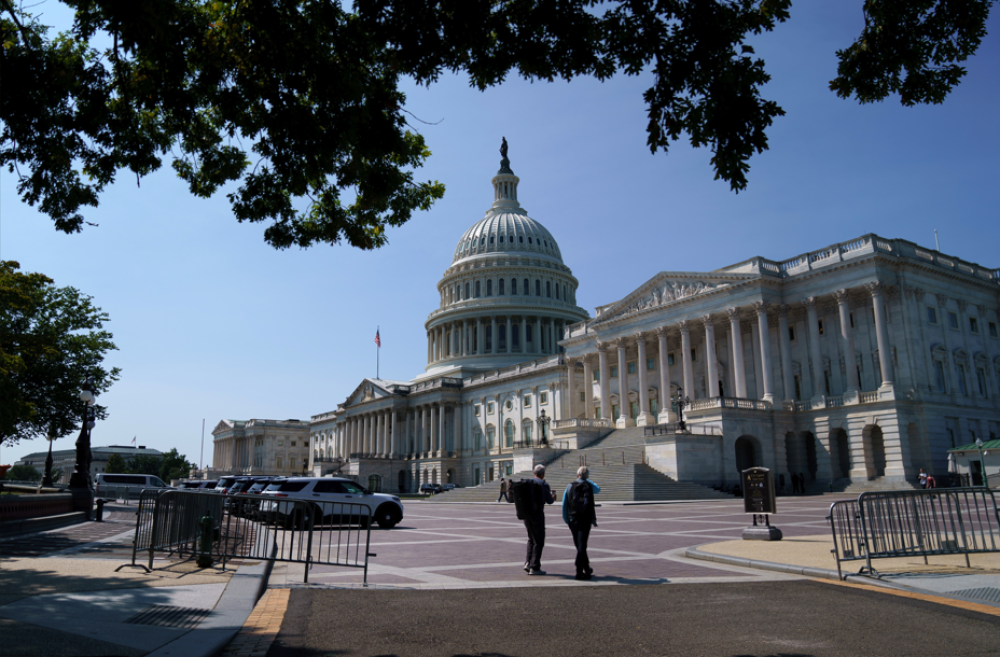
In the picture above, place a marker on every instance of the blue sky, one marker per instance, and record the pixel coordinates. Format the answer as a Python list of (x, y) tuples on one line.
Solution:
[(212, 323)]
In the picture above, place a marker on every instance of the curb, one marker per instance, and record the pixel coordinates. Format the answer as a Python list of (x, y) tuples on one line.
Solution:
[(23, 526), (790, 569)]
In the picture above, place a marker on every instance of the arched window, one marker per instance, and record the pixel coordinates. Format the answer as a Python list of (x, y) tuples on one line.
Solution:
[(466, 290), (548, 289), (375, 483), (491, 239), (477, 441), (489, 287), (557, 291), (538, 287), (477, 290), (500, 287), (527, 290), (490, 436), (508, 431), (503, 336), (513, 287), (515, 336), (489, 338)]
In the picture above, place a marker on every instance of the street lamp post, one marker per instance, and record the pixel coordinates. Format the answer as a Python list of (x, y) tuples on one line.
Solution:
[(79, 482), (681, 402), (543, 423), (47, 478)]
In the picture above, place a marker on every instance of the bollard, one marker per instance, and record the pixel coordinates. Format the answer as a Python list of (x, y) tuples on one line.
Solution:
[(205, 542), (100, 511)]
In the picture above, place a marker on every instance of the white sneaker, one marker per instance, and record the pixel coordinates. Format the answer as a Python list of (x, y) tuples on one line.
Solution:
[(536, 571)]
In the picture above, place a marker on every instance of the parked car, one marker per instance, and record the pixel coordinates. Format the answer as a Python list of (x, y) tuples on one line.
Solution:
[(198, 484), (431, 489), (449, 486), (128, 485), (385, 509), (225, 483)]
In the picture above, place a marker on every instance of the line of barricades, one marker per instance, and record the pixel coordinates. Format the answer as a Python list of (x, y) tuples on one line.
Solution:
[(914, 523), (311, 533)]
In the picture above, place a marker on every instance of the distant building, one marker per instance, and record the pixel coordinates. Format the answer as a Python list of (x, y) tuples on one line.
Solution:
[(65, 459), (264, 447)]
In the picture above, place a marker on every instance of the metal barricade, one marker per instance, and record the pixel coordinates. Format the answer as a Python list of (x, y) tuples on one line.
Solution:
[(254, 527), (921, 523)]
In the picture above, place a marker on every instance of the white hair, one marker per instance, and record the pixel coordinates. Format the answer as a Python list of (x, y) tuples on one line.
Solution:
[(583, 472), (539, 469)]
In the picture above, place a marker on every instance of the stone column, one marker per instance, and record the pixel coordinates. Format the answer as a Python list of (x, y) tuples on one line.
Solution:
[(624, 419), (570, 393), (479, 337), (430, 354), (441, 442), (510, 335), (688, 372), (520, 335), (494, 343), (765, 350), (404, 447), (605, 370), (847, 339), (645, 418), (738, 368), (538, 335), (380, 433), (665, 412), (459, 434), (393, 435), (876, 288), (711, 363), (785, 345), (815, 355), (588, 389)]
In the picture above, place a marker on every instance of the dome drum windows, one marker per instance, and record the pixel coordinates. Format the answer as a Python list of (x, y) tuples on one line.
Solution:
[(500, 287), (513, 287), (489, 287)]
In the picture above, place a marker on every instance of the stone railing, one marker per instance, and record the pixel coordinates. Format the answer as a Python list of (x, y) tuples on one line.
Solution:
[(868, 397), (17, 507), (672, 428), (582, 423), (835, 401), (520, 368), (730, 402)]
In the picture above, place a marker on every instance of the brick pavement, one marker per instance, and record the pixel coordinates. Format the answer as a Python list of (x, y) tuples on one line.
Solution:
[(261, 628)]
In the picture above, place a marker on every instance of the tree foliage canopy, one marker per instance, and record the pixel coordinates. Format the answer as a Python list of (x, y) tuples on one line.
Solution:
[(170, 465), (51, 340), (299, 101)]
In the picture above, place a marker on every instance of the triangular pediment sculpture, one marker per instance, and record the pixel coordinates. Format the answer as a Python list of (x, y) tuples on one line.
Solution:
[(666, 288)]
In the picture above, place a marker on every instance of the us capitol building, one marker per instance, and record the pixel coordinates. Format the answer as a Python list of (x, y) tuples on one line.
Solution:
[(859, 363)]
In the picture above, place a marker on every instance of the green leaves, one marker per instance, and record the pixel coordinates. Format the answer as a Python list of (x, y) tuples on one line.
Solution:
[(51, 340), (297, 102)]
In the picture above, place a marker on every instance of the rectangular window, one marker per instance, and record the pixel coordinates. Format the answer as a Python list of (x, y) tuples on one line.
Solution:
[(527, 401), (798, 388), (543, 398), (791, 333), (931, 315), (962, 386), (583, 396), (633, 410), (477, 410), (631, 367), (953, 320), (291, 444), (670, 360), (974, 325), (597, 412), (614, 371), (650, 363), (477, 441), (654, 406), (489, 408), (981, 379), (597, 375), (939, 376), (615, 412), (694, 354), (277, 462), (820, 323), (281, 443), (993, 329)]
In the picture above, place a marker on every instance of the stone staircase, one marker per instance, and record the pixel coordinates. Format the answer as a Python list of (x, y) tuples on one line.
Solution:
[(616, 464), (851, 487)]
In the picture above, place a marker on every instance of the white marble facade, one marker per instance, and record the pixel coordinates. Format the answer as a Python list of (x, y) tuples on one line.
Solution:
[(260, 447), (866, 360)]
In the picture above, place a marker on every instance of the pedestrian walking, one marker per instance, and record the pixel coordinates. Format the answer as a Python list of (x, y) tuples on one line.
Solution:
[(530, 497), (802, 483), (922, 478), (503, 489), (579, 513)]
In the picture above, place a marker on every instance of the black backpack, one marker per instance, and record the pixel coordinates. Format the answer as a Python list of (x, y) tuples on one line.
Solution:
[(580, 502), (527, 497)]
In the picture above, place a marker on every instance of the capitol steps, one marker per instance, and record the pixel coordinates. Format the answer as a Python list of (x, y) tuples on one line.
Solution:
[(616, 464)]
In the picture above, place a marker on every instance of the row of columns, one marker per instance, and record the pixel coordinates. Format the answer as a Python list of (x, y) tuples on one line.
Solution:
[(233, 453), (761, 309), (467, 337), (377, 434)]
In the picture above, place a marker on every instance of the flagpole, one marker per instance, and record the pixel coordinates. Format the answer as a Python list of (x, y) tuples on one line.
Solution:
[(378, 348)]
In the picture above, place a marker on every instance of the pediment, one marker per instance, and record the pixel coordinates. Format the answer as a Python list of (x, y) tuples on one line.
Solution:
[(667, 288), (223, 425), (368, 391)]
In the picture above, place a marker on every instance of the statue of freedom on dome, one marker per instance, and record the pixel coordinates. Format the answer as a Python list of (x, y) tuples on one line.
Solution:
[(503, 147)]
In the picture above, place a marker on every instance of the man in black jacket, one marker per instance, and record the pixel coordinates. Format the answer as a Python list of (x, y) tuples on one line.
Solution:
[(535, 524)]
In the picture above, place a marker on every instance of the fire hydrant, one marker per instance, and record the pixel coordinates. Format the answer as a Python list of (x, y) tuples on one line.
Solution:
[(207, 525)]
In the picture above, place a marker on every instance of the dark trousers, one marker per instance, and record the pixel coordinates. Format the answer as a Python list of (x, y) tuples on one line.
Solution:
[(536, 541), (581, 534)]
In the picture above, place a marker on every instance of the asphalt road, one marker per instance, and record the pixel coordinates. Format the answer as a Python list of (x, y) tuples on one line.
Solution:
[(786, 619)]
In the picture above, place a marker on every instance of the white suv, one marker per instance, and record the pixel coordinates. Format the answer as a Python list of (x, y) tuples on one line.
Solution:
[(386, 510)]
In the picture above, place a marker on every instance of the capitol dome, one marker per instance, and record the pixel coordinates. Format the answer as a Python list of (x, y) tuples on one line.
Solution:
[(507, 297)]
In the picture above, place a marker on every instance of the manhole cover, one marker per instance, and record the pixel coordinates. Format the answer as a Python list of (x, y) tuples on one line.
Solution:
[(988, 594), (167, 616)]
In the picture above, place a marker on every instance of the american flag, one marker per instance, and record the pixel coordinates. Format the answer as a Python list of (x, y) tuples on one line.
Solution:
[(378, 340)]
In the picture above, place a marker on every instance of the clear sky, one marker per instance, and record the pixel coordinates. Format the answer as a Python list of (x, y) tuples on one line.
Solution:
[(212, 324)]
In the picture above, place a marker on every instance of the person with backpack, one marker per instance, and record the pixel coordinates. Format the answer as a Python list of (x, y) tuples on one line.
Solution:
[(578, 512), (530, 497)]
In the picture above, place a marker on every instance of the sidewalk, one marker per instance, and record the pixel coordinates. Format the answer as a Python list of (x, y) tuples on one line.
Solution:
[(811, 556), (72, 602)]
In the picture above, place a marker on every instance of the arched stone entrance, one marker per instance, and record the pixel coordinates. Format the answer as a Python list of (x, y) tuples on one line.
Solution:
[(747, 453), (840, 454), (800, 452), (401, 481), (874, 446), (450, 476)]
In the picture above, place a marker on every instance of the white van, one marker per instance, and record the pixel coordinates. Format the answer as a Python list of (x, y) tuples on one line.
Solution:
[(114, 486)]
